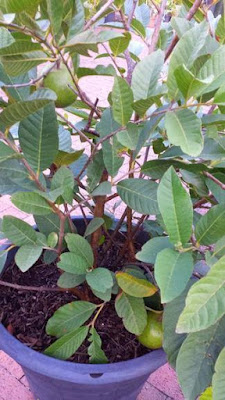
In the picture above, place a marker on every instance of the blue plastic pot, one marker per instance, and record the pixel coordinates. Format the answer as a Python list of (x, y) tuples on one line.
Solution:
[(52, 379)]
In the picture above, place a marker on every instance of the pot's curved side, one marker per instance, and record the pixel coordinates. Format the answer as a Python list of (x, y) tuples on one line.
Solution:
[(52, 379)]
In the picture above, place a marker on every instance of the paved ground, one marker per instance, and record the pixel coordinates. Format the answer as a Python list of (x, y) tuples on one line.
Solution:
[(162, 385)]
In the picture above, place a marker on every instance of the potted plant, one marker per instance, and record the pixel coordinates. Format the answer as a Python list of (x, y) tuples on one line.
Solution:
[(82, 299)]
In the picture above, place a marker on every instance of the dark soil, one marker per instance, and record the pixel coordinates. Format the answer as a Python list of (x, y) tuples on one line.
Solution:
[(26, 313)]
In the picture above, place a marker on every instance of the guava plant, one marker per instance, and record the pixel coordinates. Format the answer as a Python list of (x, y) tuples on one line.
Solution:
[(165, 117)]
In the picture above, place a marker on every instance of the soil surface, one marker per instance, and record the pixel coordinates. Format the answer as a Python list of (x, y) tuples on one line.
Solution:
[(25, 313)]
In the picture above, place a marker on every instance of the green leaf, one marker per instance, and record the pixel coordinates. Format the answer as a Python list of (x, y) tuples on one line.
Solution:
[(16, 6), (210, 227), (6, 39), (207, 395), (196, 359), (139, 194), (184, 129), (219, 249), (138, 27), (214, 66), (122, 99), (218, 378), (64, 158), (6, 153), (90, 37), (119, 45), (132, 311), (17, 231), (187, 50), (205, 303), (19, 64), (78, 19), (55, 12), (64, 180), (151, 248), (21, 109), (173, 200), (172, 273), (52, 240), (108, 70), (80, 246), (146, 74), (69, 281), (27, 255), (100, 279), (188, 84), (20, 47), (111, 159), (93, 226), (3, 257), (31, 203), (102, 189), (38, 137), (156, 168), (73, 264), (69, 317), (129, 137), (219, 97), (173, 341), (134, 286), (94, 171), (68, 344), (97, 355)]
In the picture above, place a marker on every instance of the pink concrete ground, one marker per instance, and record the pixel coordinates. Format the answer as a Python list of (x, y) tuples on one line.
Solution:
[(162, 385)]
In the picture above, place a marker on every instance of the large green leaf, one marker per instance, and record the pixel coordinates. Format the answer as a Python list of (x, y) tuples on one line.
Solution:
[(214, 66), (129, 137), (188, 84), (49, 223), (78, 19), (122, 99), (31, 203), (27, 255), (139, 194), (68, 344), (69, 317), (132, 311), (18, 232), (172, 341), (20, 47), (6, 153), (100, 279), (156, 168), (80, 246), (18, 111), (134, 286), (146, 74), (218, 378), (73, 263), (210, 227), (172, 272), (55, 13), (205, 303), (38, 137), (69, 281), (119, 45), (16, 6), (97, 355), (185, 53), (63, 181), (184, 130), (6, 39), (151, 248), (19, 64), (196, 359), (173, 200), (93, 225), (111, 158)]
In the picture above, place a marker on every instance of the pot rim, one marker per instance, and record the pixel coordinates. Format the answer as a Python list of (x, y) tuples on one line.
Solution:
[(67, 370)]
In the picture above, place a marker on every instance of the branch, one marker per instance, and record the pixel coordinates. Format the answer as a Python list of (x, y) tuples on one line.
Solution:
[(189, 16), (76, 129), (98, 14), (215, 180), (30, 288), (155, 36), (32, 81)]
